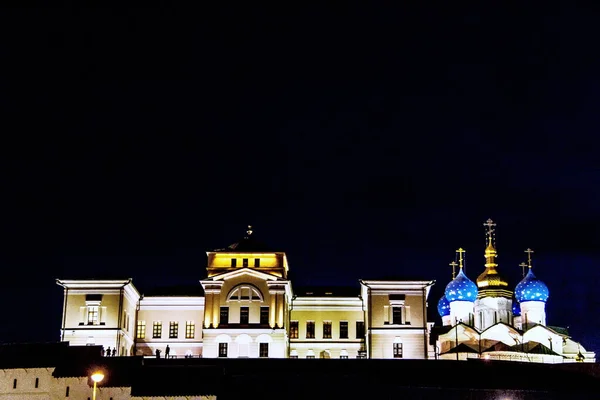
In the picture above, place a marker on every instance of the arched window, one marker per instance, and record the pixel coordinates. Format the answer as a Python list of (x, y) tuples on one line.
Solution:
[(245, 292)]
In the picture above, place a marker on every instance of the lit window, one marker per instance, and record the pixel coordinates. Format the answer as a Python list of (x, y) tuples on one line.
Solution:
[(343, 329), (222, 349), (397, 350), (244, 315), (310, 329), (264, 315), (141, 330), (293, 329), (257, 262), (190, 329), (327, 330), (263, 350), (157, 330), (224, 316), (173, 330), (92, 318)]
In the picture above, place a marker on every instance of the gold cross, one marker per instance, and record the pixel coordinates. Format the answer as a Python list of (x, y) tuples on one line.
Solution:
[(453, 264), (529, 251), (460, 252), (523, 265)]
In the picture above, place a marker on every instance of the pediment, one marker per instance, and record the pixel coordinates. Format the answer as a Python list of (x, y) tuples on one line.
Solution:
[(241, 273)]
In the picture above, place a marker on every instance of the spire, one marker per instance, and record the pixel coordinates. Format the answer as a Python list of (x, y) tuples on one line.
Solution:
[(453, 264), (490, 283), (490, 250)]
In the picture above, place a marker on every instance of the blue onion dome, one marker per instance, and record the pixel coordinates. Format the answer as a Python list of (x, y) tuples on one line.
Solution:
[(531, 289), (461, 288), (516, 308), (443, 307)]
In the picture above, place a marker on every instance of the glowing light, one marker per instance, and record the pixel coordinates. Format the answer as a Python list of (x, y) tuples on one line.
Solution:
[(97, 377)]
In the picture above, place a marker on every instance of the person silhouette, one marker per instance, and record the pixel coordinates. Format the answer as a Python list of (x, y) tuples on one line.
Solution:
[(114, 352), (107, 351), (157, 353), (167, 351), (102, 351)]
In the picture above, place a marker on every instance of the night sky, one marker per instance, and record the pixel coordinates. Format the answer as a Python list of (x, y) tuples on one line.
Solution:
[(365, 143)]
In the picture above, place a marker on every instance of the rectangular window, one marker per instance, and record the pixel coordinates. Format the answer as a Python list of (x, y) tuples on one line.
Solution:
[(67, 391), (15, 383), (92, 318), (293, 329), (244, 315), (37, 383), (244, 262), (264, 315), (156, 330), (173, 330), (257, 262), (222, 349), (141, 330), (397, 315), (310, 329), (360, 329), (224, 316), (397, 350), (190, 330), (263, 350), (327, 330), (343, 329), (233, 262)]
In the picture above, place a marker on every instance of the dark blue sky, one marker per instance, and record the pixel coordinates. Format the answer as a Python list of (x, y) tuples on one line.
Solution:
[(363, 142)]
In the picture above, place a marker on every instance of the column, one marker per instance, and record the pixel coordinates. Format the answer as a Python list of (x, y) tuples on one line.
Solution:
[(207, 308), (216, 299), (280, 310), (272, 311)]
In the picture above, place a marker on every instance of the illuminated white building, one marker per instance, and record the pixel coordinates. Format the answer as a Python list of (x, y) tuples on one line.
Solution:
[(486, 320), (250, 309)]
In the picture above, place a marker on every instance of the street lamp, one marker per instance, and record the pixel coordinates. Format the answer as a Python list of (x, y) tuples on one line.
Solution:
[(96, 377)]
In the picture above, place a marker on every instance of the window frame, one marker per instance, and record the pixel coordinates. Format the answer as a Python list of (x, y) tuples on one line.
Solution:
[(140, 329), (360, 332), (157, 330), (398, 350), (190, 330), (327, 330), (263, 350), (264, 316), (226, 313), (344, 332), (294, 329), (223, 349), (173, 329), (310, 333)]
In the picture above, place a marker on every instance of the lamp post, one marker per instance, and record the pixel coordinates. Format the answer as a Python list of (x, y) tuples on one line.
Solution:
[(96, 377)]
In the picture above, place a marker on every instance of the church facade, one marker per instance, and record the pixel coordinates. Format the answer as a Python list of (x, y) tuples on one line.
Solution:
[(248, 308), (486, 319)]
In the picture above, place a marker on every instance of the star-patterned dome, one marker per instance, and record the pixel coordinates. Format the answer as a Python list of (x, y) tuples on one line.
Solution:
[(531, 289), (461, 288), (443, 307)]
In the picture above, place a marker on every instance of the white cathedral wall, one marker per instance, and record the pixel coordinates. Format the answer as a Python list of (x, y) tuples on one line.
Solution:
[(461, 311), (503, 334), (544, 336), (533, 312), (491, 310)]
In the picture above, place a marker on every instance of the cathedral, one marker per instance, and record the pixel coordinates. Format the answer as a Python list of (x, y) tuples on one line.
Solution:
[(486, 319), (246, 307)]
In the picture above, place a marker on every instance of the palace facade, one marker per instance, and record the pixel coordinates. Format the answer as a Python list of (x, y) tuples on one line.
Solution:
[(249, 308), (246, 307)]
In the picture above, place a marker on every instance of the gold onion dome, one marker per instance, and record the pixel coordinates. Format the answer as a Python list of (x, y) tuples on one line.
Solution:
[(490, 282)]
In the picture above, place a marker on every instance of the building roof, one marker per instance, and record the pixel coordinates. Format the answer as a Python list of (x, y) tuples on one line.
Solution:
[(327, 291), (179, 290)]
